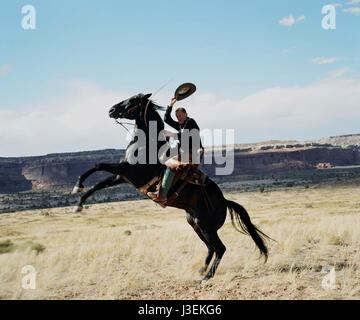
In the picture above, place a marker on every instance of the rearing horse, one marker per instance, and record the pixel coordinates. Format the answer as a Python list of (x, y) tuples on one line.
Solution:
[(205, 221)]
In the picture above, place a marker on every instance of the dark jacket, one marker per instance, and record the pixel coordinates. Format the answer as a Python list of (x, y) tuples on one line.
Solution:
[(189, 124)]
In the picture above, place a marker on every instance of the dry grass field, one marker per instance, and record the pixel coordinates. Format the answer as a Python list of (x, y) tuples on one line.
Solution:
[(138, 250)]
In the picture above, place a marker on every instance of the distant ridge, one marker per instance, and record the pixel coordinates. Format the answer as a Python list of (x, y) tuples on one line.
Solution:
[(343, 141), (60, 170)]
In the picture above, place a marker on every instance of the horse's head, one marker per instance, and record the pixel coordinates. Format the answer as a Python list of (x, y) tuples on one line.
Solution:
[(130, 108)]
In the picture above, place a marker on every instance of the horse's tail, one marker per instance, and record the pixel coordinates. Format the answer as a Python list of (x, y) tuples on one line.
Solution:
[(243, 220)]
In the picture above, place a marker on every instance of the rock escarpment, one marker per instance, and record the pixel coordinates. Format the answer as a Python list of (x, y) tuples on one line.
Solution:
[(273, 159), (60, 171), (53, 171)]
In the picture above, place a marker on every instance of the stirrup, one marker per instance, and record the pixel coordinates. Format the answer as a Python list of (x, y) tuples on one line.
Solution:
[(153, 195), (157, 197)]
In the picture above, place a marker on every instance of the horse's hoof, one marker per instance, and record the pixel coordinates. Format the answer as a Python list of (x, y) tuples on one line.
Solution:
[(77, 209), (205, 280), (77, 190)]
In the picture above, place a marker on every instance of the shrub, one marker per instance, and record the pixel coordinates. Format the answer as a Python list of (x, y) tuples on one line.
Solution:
[(6, 246)]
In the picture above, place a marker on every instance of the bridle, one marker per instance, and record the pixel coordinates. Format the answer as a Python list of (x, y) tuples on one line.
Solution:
[(143, 113), (132, 109)]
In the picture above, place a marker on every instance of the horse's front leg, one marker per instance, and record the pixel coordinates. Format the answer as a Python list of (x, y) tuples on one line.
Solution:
[(79, 186), (108, 182)]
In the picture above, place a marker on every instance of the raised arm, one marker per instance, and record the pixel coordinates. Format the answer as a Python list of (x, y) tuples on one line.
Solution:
[(168, 119)]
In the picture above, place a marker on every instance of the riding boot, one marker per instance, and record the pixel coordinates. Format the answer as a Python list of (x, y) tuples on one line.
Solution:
[(161, 195)]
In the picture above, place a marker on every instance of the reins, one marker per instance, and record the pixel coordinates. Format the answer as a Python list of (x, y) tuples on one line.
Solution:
[(122, 124)]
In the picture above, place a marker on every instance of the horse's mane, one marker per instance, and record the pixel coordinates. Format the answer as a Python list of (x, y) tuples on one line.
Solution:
[(153, 110), (157, 108)]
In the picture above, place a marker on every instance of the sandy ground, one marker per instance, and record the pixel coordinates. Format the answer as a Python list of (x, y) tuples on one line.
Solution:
[(138, 250)]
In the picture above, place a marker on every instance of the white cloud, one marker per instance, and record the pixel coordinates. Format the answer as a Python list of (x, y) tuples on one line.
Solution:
[(336, 5), (78, 119), (290, 20), (355, 11), (301, 18), (74, 121), (5, 69), (353, 2), (287, 21), (284, 112), (338, 73), (324, 60)]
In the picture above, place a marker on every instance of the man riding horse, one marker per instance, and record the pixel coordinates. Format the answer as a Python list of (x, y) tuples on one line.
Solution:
[(205, 218), (184, 157)]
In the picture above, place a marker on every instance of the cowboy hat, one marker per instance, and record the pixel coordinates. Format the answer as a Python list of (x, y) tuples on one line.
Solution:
[(185, 90)]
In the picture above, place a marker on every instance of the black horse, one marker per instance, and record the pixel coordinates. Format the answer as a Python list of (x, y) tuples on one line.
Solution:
[(204, 221)]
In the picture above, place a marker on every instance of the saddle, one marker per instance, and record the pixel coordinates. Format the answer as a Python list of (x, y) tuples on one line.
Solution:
[(187, 173), (190, 174)]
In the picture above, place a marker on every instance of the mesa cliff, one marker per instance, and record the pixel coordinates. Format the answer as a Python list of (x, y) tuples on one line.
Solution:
[(60, 171), (53, 171)]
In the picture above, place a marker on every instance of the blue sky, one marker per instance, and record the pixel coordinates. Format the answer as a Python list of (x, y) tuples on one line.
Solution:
[(231, 50)]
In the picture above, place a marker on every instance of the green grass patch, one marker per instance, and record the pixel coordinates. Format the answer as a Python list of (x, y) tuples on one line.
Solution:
[(8, 246)]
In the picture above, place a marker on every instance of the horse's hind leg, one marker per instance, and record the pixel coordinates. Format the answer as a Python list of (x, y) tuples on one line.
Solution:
[(209, 256), (108, 182), (211, 250), (214, 240), (79, 186)]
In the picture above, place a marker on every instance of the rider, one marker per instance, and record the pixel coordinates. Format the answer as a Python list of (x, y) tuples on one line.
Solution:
[(184, 122)]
